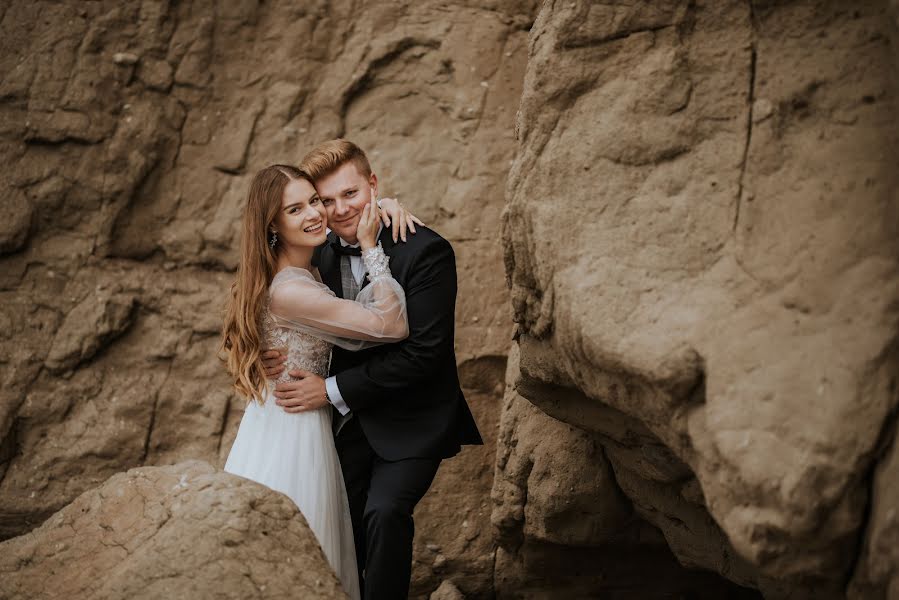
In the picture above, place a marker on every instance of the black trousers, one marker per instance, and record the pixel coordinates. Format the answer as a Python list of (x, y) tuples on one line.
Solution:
[(382, 496)]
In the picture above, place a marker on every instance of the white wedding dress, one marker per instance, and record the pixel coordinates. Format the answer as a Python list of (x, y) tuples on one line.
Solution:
[(294, 453)]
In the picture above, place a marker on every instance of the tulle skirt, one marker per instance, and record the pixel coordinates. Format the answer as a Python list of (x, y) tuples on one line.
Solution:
[(295, 454)]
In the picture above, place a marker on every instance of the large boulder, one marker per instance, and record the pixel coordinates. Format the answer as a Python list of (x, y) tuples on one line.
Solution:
[(703, 250), (185, 531)]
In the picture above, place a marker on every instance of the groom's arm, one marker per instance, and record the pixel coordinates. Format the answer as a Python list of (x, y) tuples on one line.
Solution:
[(431, 305)]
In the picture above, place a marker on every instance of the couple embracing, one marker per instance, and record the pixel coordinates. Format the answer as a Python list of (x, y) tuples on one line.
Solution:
[(343, 344)]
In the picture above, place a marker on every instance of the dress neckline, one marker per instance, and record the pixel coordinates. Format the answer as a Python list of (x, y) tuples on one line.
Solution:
[(295, 271)]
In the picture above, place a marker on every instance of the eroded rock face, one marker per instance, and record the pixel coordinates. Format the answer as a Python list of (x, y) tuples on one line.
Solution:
[(130, 132), (571, 522), (453, 537), (702, 242), (553, 481), (877, 575), (182, 530)]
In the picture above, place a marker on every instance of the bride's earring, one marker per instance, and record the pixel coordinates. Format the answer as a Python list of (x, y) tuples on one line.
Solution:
[(272, 240)]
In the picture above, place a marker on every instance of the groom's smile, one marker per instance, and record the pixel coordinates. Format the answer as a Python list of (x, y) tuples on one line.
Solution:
[(344, 193)]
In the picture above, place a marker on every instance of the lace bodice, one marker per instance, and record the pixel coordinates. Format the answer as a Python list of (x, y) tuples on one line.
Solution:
[(304, 351)]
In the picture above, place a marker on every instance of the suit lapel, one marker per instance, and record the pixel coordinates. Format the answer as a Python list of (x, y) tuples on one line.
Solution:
[(329, 266), (386, 239)]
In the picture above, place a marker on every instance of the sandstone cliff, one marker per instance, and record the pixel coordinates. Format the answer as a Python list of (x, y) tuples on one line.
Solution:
[(702, 242), (699, 232), (130, 131)]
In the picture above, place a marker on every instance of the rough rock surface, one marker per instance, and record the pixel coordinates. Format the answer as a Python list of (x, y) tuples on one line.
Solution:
[(453, 535), (877, 575), (180, 531), (130, 131), (566, 529), (447, 591), (703, 249), (700, 236)]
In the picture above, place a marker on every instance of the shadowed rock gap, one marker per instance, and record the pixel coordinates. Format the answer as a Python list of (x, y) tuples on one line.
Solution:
[(749, 118), (860, 579)]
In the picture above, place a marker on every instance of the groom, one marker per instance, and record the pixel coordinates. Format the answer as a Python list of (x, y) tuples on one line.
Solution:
[(398, 407)]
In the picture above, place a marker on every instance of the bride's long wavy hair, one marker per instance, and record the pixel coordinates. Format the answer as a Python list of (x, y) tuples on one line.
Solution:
[(242, 342)]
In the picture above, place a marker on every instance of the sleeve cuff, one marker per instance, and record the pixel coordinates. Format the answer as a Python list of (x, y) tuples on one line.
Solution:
[(335, 397)]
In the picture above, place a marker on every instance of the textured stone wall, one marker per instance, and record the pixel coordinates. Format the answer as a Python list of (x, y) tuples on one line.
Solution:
[(130, 131), (702, 235)]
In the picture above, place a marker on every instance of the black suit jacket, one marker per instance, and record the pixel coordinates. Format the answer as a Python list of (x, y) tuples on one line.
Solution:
[(407, 395)]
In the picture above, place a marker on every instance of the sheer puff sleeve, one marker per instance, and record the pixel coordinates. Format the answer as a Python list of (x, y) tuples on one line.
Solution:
[(377, 316)]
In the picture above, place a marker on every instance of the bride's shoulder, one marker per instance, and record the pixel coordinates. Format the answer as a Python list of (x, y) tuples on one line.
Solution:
[(295, 278), (292, 273)]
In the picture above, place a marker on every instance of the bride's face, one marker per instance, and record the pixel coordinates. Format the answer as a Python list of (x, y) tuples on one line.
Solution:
[(301, 221)]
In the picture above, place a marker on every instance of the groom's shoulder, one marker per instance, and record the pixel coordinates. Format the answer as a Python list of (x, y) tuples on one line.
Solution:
[(424, 239), (425, 236)]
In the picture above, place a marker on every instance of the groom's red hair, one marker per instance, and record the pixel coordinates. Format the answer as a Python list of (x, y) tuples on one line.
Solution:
[(329, 156)]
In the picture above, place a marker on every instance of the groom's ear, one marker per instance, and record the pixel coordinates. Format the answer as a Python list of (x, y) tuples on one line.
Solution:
[(373, 182)]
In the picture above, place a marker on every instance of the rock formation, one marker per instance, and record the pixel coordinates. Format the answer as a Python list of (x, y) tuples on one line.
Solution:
[(700, 236), (180, 531), (702, 242), (130, 131), (566, 527)]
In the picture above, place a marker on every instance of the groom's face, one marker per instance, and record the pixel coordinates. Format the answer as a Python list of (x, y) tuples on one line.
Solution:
[(344, 194)]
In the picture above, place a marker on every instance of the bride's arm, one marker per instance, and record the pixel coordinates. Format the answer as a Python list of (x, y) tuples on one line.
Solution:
[(378, 314)]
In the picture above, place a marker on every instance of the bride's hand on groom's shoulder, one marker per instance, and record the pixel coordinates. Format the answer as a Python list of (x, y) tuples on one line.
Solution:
[(394, 214), (273, 363)]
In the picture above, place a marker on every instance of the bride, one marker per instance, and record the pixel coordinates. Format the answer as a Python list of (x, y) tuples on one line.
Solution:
[(277, 301)]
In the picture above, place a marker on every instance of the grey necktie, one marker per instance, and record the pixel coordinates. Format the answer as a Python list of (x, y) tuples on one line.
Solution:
[(347, 280), (350, 291)]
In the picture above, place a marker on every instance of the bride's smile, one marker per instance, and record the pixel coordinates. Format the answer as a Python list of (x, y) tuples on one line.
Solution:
[(301, 220)]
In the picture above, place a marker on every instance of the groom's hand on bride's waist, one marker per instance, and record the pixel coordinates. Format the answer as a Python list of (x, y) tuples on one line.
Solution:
[(273, 363), (306, 392)]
